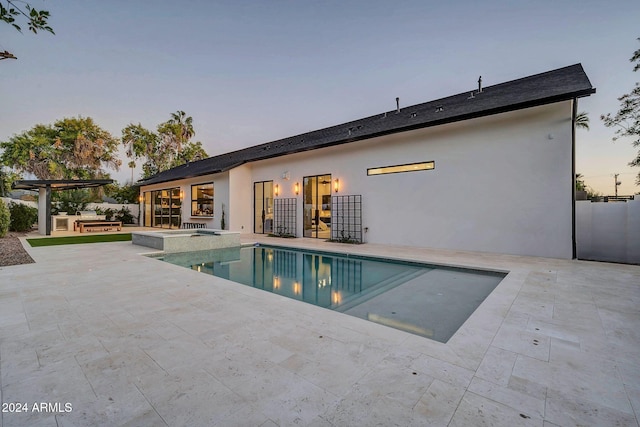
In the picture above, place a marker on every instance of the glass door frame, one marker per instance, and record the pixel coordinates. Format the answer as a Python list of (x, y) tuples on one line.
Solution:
[(163, 208), (313, 206), (264, 210)]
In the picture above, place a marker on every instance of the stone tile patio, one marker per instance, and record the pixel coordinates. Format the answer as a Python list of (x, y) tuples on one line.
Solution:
[(128, 340)]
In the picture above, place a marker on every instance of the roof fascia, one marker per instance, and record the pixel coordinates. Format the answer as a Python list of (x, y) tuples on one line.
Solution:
[(447, 120)]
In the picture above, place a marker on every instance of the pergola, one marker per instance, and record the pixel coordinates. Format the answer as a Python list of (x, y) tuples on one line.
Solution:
[(46, 186)]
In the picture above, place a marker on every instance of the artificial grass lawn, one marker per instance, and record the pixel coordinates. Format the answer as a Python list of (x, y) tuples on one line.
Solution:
[(73, 240)]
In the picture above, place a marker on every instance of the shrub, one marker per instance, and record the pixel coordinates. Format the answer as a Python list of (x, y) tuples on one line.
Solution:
[(124, 215), (22, 217), (5, 219), (108, 212), (70, 201)]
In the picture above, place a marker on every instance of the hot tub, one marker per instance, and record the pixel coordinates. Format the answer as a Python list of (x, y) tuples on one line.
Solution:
[(186, 240)]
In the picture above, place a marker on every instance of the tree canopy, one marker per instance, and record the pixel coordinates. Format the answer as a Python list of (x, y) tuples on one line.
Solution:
[(627, 119), (36, 19), (582, 120), (168, 147), (71, 148)]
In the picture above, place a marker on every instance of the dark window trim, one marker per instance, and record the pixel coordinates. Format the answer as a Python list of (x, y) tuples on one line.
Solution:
[(405, 164), (212, 183), (153, 204)]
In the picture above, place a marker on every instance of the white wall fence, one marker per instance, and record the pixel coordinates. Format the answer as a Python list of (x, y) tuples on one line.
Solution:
[(608, 231), (8, 200), (134, 208)]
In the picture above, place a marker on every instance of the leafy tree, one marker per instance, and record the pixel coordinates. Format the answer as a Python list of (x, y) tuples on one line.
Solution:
[(171, 146), (627, 119), (123, 194), (580, 186), (191, 152), (71, 148), (36, 19), (141, 143), (177, 131), (582, 120), (6, 179), (5, 219), (71, 201)]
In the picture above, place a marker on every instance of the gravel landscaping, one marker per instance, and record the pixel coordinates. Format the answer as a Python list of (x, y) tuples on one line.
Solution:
[(12, 252)]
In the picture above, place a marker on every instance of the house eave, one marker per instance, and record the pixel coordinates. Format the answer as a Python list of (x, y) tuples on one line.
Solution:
[(554, 86), (433, 123)]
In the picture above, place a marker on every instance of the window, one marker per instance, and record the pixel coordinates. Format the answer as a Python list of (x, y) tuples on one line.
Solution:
[(412, 167), (202, 200)]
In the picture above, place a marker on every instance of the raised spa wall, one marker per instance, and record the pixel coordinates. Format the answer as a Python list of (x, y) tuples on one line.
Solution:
[(186, 240)]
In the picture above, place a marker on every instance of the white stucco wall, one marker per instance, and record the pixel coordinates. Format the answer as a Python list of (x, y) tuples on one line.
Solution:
[(221, 195), (241, 199), (501, 183)]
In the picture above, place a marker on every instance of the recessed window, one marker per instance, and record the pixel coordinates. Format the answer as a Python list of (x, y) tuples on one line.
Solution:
[(412, 167), (202, 200)]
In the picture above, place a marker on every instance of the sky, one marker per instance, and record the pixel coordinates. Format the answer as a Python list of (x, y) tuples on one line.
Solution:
[(250, 72)]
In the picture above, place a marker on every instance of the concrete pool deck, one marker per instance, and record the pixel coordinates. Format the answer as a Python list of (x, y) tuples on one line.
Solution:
[(129, 340)]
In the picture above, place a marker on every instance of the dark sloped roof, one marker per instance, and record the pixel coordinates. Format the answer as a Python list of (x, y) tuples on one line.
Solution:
[(60, 184), (540, 89)]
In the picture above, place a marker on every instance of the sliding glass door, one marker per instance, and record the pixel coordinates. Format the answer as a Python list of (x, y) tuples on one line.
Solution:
[(317, 206), (263, 207), (162, 208)]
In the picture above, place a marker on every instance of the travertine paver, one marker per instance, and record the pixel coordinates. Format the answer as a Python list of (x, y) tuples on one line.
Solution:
[(128, 340)]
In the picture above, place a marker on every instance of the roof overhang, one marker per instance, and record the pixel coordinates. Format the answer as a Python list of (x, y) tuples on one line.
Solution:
[(563, 84), (59, 184)]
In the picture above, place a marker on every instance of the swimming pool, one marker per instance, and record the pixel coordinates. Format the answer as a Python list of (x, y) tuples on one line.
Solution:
[(425, 300)]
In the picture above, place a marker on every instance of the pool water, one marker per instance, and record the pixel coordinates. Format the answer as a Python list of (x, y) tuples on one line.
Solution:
[(425, 300)]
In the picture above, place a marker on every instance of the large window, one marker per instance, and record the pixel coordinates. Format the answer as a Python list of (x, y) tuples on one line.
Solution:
[(412, 167), (202, 200)]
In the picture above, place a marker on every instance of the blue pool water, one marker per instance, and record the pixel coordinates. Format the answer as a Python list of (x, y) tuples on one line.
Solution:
[(422, 299)]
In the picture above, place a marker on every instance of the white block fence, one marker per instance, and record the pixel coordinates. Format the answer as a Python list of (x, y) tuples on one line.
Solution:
[(608, 231)]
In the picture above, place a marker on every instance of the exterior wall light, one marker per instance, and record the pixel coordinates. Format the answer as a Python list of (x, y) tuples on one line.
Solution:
[(336, 185), (181, 195), (296, 188), (276, 190), (140, 199)]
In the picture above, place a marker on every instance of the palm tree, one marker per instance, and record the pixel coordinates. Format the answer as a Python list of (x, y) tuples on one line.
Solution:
[(582, 120), (184, 128), (141, 143)]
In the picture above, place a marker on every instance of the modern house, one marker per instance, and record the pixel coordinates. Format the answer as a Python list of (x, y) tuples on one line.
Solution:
[(490, 169)]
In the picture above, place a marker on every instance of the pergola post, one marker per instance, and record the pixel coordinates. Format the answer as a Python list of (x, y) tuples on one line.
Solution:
[(48, 208), (44, 211)]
